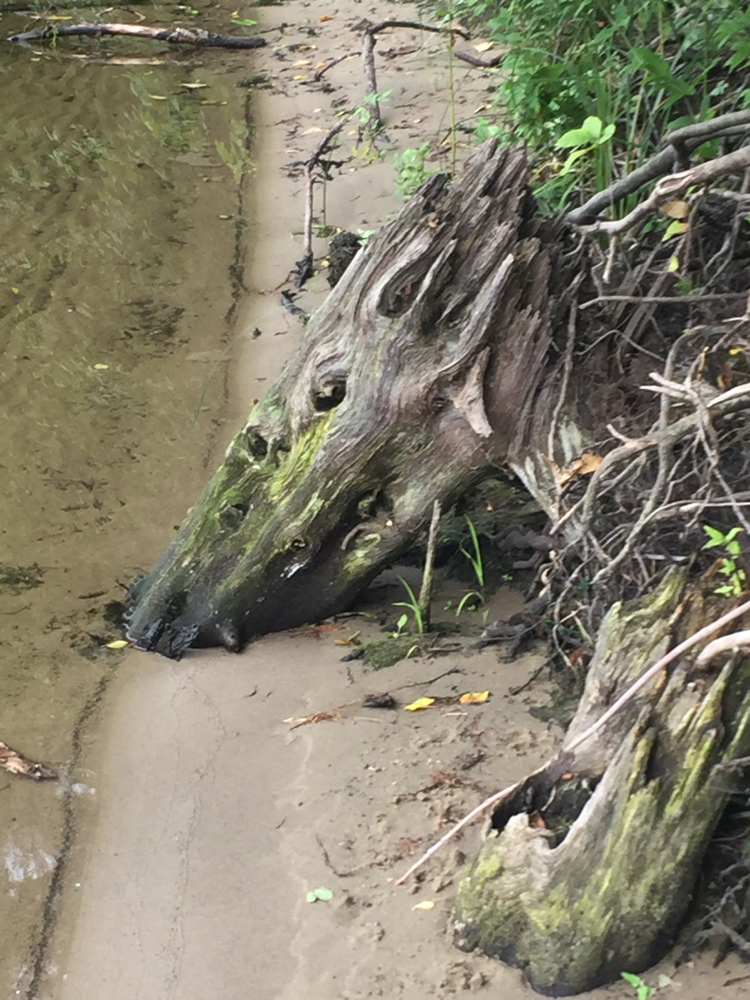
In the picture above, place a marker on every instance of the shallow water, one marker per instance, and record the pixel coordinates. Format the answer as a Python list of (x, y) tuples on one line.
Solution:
[(121, 264)]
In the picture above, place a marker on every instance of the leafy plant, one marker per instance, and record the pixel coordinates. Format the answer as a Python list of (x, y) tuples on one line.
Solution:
[(728, 567), (411, 169), (477, 565), (647, 66), (412, 604), (643, 991)]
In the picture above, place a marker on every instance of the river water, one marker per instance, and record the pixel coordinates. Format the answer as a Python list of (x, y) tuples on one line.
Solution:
[(122, 175)]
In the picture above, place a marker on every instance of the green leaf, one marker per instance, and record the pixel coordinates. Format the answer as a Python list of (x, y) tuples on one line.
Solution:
[(593, 126), (246, 22), (631, 979), (323, 894), (675, 228), (576, 137), (715, 537)]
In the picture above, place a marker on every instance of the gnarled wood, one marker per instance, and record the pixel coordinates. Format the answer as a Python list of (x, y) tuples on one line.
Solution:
[(575, 885), (413, 380)]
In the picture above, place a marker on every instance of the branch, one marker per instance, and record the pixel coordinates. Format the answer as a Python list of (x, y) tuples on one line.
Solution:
[(674, 186), (685, 139), (586, 735), (176, 35)]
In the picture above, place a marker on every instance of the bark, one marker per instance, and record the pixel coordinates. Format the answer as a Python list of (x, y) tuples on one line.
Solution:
[(415, 378), (574, 885)]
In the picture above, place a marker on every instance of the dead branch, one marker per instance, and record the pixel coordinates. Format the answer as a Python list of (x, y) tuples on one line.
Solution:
[(687, 139), (648, 675), (310, 164), (319, 74), (182, 36), (472, 60), (673, 186), (425, 591)]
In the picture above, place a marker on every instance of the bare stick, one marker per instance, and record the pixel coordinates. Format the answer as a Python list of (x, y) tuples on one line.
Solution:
[(680, 299), (310, 166), (374, 121), (623, 700), (472, 60), (334, 62), (425, 591), (726, 644), (185, 36)]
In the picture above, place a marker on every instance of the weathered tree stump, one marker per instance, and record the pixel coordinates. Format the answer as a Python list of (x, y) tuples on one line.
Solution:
[(589, 869), (452, 346), (417, 376)]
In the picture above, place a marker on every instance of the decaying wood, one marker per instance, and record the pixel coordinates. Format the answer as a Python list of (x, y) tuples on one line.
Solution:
[(416, 377), (14, 762), (178, 36), (589, 866)]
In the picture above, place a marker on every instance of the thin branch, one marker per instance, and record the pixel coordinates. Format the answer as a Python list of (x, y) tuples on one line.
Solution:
[(425, 591), (681, 299), (310, 165), (318, 75), (648, 675), (184, 36)]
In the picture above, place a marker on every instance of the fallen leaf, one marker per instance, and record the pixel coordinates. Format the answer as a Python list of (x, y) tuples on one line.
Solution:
[(674, 263), (419, 703), (426, 904), (483, 46), (473, 697), (299, 76), (676, 209), (209, 100), (313, 128), (194, 86), (14, 289), (118, 644), (157, 97), (536, 821), (301, 62), (101, 368), (583, 466), (589, 463), (325, 17)]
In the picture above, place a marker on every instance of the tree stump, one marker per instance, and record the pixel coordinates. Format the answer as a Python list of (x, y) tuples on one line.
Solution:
[(589, 869)]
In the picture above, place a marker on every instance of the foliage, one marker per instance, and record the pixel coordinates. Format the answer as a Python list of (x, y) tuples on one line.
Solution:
[(638, 68), (643, 991), (728, 567), (411, 169), (413, 605)]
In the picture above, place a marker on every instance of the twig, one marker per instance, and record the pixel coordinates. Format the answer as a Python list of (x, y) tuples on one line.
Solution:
[(319, 74), (472, 60), (184, 36), (425, 591), (682, 299), (623, 700), (310, 166), (726, 644)]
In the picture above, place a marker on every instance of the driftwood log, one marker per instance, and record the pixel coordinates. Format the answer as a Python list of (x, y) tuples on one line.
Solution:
[(176, 36)]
